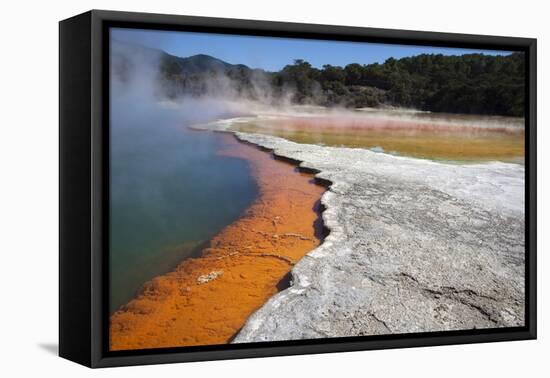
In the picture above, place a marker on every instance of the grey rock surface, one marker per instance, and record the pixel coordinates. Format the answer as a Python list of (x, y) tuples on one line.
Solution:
[(414, 246)]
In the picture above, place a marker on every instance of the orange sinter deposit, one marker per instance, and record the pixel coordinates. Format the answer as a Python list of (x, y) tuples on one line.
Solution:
[(207, 299)]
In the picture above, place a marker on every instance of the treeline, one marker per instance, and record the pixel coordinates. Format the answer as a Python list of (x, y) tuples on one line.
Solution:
[(476, 83), (472, 84)]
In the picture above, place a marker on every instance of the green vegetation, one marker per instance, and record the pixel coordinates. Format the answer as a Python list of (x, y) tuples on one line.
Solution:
[(470, 84)]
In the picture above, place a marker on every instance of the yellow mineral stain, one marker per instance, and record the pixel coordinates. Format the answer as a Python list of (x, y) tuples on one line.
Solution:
[(422, 140)]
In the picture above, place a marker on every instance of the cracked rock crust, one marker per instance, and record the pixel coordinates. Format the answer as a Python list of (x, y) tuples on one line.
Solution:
[(414, 246)]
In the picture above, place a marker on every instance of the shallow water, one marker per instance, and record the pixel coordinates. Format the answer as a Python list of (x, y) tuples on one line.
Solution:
[(170, 191), (429, 136)]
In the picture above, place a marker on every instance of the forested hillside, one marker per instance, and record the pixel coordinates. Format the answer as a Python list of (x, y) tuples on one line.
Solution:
[(477, 84), (472, 84)]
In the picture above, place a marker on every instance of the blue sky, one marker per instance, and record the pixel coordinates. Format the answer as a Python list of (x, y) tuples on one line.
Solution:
[(271, 53)]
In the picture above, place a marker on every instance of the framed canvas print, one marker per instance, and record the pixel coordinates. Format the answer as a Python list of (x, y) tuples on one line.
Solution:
[(233, 188)]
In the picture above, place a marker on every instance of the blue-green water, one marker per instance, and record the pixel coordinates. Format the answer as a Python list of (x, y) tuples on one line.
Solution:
[(170, 190)]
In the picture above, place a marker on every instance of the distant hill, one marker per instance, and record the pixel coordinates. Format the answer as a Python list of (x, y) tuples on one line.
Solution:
[(471, 84), (197, 64), (203, 74), (127, 56)]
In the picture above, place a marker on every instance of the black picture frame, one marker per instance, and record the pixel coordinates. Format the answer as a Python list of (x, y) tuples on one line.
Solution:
[(84, 183)]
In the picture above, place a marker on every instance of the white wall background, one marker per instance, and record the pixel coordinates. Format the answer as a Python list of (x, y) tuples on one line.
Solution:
[(29, 189)]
